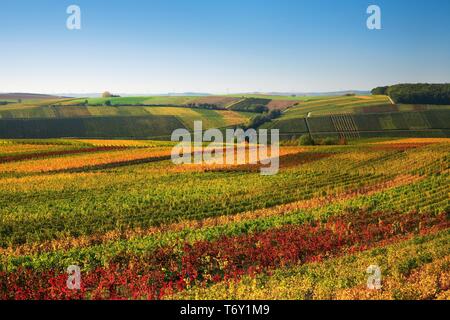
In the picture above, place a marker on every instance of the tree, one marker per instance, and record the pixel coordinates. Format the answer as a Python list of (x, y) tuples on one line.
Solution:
[(108, 103), (419, 93), (257, 121), (380, 91), (306, 140), (260, 119), (259, 108), (106, 94), (275, 113)]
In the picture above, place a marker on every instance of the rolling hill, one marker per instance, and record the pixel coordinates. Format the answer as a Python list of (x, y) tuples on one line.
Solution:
[(361, 116), (156, 117), (156, 122), (27, 96)]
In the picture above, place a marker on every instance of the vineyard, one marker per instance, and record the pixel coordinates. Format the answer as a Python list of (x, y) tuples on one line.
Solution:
[(156, 117), (158, 123), (142, 227), (354, 117), (125, 117), (428, 123)]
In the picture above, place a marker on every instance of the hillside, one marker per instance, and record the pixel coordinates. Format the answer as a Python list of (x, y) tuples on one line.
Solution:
[(26, 96), (44, 121), (156, 127), (219, 101), (142, 227), (349, 115), (361, 116)]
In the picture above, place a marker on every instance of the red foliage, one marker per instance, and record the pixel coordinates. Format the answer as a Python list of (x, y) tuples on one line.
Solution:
[(169, 270)]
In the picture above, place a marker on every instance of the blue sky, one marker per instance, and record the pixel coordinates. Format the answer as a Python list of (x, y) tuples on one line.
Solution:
[(220, 46)]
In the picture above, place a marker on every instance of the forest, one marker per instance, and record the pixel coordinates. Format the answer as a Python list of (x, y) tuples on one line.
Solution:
[(420, 93)]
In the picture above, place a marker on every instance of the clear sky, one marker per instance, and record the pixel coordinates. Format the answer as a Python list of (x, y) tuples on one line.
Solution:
[(221, 46)]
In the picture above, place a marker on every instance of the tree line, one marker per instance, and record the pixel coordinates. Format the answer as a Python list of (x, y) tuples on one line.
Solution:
[(420, 93)]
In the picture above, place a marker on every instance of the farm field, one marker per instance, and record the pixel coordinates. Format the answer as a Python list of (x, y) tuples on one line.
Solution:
[(348, 116), (224, 159), (221, 101), (362, 116), (220, 118), (339, 104), (224, 101), (321, 106), (141, 227), (430, 123), (110, 121), (57, 118)]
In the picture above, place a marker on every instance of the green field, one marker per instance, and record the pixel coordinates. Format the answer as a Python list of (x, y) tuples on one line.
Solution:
[(326, 115), (79, 121), (432, 123), (365, 116), (341, 104), (91, 127), (276, 97), (220, 101), (142, 227)]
